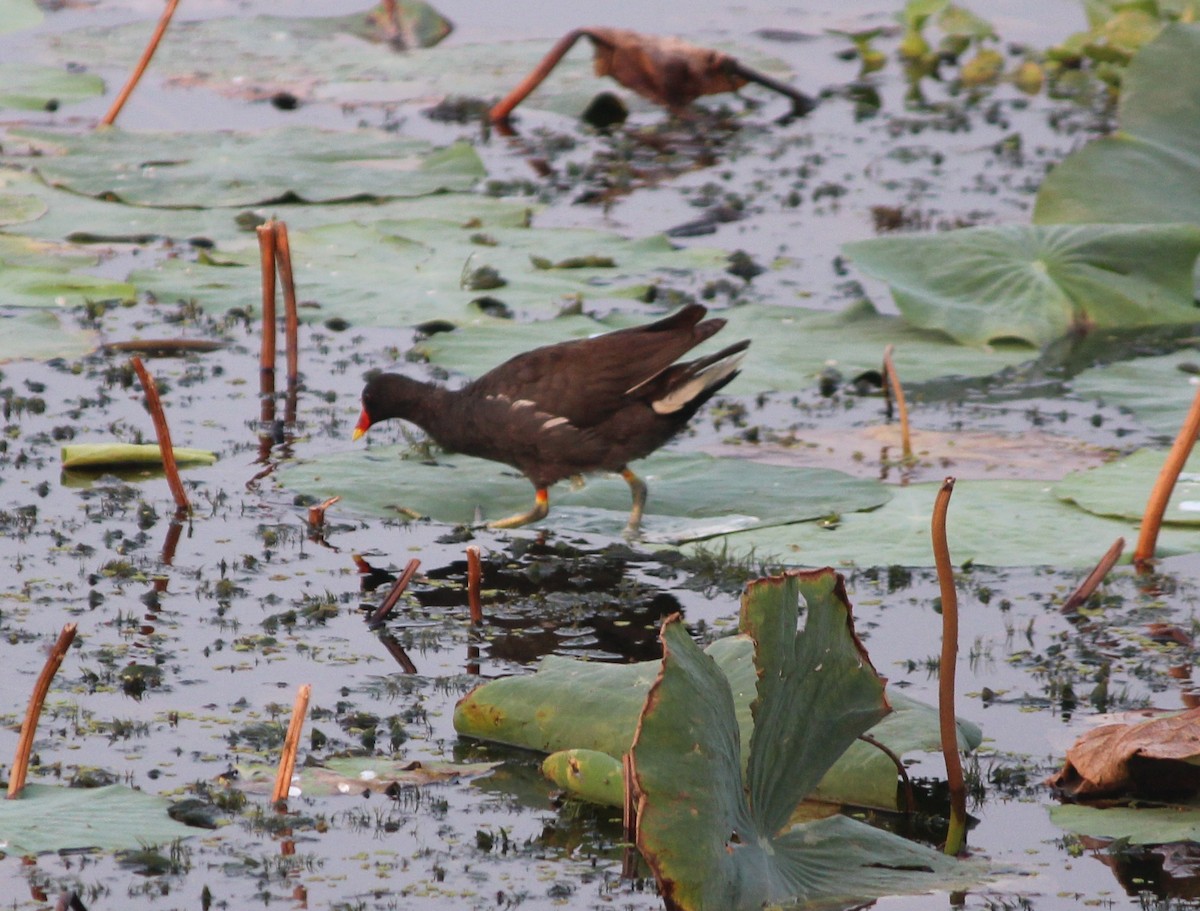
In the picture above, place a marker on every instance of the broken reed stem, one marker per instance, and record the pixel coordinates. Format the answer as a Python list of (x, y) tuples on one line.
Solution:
[(283, 256), (892, 380), (266, 360), (316, 514), (393, 596), (501, 111), (291, 743), (1156, 506), (163, 21), (474, 579), (163, 432), (1095, 577), (956, 837), (20, 766)]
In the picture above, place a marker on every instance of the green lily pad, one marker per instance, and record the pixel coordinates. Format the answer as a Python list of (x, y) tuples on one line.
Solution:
[(1120, 489), (1149, 171), (992, 523), (39, 274), (16, 208), (123, 455), (403, 273), (113, 818), (18, 14), (1140, 825), (1156, 390), (295, 164), (29, 87), (790, 345), (716, 841), (691, 496), (1037, 282), (39, 335)]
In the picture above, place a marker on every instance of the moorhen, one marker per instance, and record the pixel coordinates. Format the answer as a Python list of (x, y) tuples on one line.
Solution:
[(567, 409)]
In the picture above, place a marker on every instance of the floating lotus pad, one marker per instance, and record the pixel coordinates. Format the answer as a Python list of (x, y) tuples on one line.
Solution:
[(1037, 282), (41, 274), (991, 523), (403, 273), (1120, 489), (40, 335), (217, 169), (113, 818), (691, 496), (29, 87)]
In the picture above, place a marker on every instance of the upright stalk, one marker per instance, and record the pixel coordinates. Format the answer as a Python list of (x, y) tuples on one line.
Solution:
[(956, 837)]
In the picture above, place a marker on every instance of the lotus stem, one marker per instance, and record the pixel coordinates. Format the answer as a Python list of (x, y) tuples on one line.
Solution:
[(163, 432), (291, 743), (283, 256), (20, 766), (1160, 495), (501, 111), (910, 800), (1094, 578), (393, 596), (266, 360), (893, 383), (163, 21), (396, 650), (630, 802), (474, 579), (956, 837)]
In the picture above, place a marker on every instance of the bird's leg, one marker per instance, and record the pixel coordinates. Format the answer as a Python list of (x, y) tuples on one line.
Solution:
[(638, 488), (541, 508)]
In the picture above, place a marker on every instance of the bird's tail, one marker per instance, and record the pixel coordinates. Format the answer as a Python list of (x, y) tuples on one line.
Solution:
[(693, 383)]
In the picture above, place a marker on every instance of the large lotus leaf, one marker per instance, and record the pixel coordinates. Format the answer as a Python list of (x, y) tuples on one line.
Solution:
[(39, 335), (1140, 825), (1037, 282), (85, 219), (714, 844), (29, 87), (1155, 389), (206, 170), (790, 345), (1121, 488), (820, 680), (113, 818), (403, 273), (18, 14), (991, 523), (1148, 172), (323, 59), (691, 496), (588, 705), (572, 707)]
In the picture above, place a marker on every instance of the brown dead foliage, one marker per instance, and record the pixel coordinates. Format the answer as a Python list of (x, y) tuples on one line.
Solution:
[(1154, 758)]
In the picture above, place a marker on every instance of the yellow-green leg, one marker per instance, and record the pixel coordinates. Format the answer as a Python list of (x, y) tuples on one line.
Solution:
[(541, 508), (638, 488)]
